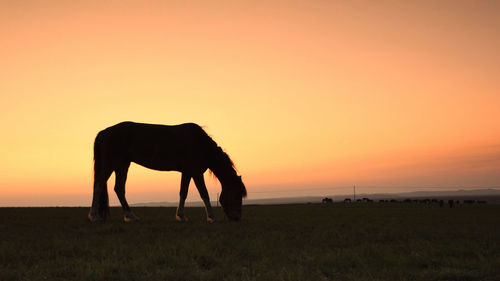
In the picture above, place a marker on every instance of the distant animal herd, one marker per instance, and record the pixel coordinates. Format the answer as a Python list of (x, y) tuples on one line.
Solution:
[(451, 203)]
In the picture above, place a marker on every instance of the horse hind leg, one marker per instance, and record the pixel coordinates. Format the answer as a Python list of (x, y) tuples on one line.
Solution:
[(179, 214), (121, 178), (202, 189)]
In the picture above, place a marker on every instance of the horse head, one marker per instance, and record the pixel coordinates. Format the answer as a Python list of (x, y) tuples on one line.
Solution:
[(231, 197)]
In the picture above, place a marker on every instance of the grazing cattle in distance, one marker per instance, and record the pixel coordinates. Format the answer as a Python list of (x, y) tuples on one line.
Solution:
[(441, 203), (451, 203), (469, 201), (347, 200), (481, 202), (327, 200)]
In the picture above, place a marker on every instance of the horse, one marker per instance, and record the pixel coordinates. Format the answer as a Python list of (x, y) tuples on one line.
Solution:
[(185, 148)]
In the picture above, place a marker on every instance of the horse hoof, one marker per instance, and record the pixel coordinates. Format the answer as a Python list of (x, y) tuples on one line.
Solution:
[(181, 218), (130, 218), (94, 218)]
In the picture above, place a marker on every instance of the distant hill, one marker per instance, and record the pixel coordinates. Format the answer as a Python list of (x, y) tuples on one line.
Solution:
[(489, 195)]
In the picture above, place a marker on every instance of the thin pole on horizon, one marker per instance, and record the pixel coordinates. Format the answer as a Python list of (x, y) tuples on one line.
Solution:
[(354, 193)]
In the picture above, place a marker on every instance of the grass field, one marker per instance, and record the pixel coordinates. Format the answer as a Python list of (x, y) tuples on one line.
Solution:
[(380, 241)]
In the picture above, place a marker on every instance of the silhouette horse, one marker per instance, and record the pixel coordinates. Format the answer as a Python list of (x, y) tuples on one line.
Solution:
[(185, 148)]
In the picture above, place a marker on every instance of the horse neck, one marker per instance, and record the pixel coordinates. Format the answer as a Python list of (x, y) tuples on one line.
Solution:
[(223, 174), (223, 169)]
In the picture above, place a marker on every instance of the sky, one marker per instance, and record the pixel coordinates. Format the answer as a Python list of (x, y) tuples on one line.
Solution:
[(307, 97)]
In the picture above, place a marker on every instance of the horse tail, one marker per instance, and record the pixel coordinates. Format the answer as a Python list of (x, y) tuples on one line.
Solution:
[(97, 155), (102, 193)]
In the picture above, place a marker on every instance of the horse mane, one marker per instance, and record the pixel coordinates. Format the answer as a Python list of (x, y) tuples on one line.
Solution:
[(221, 165), (224, 167), (219, 156), (222, 160)]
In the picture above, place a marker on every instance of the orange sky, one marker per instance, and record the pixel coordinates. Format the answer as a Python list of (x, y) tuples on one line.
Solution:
[(304, 95)]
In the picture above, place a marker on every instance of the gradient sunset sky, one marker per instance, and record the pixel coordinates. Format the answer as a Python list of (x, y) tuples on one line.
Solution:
[(307, 97)]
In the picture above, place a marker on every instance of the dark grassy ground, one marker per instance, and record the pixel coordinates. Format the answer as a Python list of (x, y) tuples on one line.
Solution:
[(288, 242)]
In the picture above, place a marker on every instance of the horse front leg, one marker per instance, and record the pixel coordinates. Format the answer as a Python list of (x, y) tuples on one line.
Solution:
[(202, 189), (121, 178), (179, 214)]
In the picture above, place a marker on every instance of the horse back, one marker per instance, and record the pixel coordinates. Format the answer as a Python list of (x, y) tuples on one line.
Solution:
[(160, 147)]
